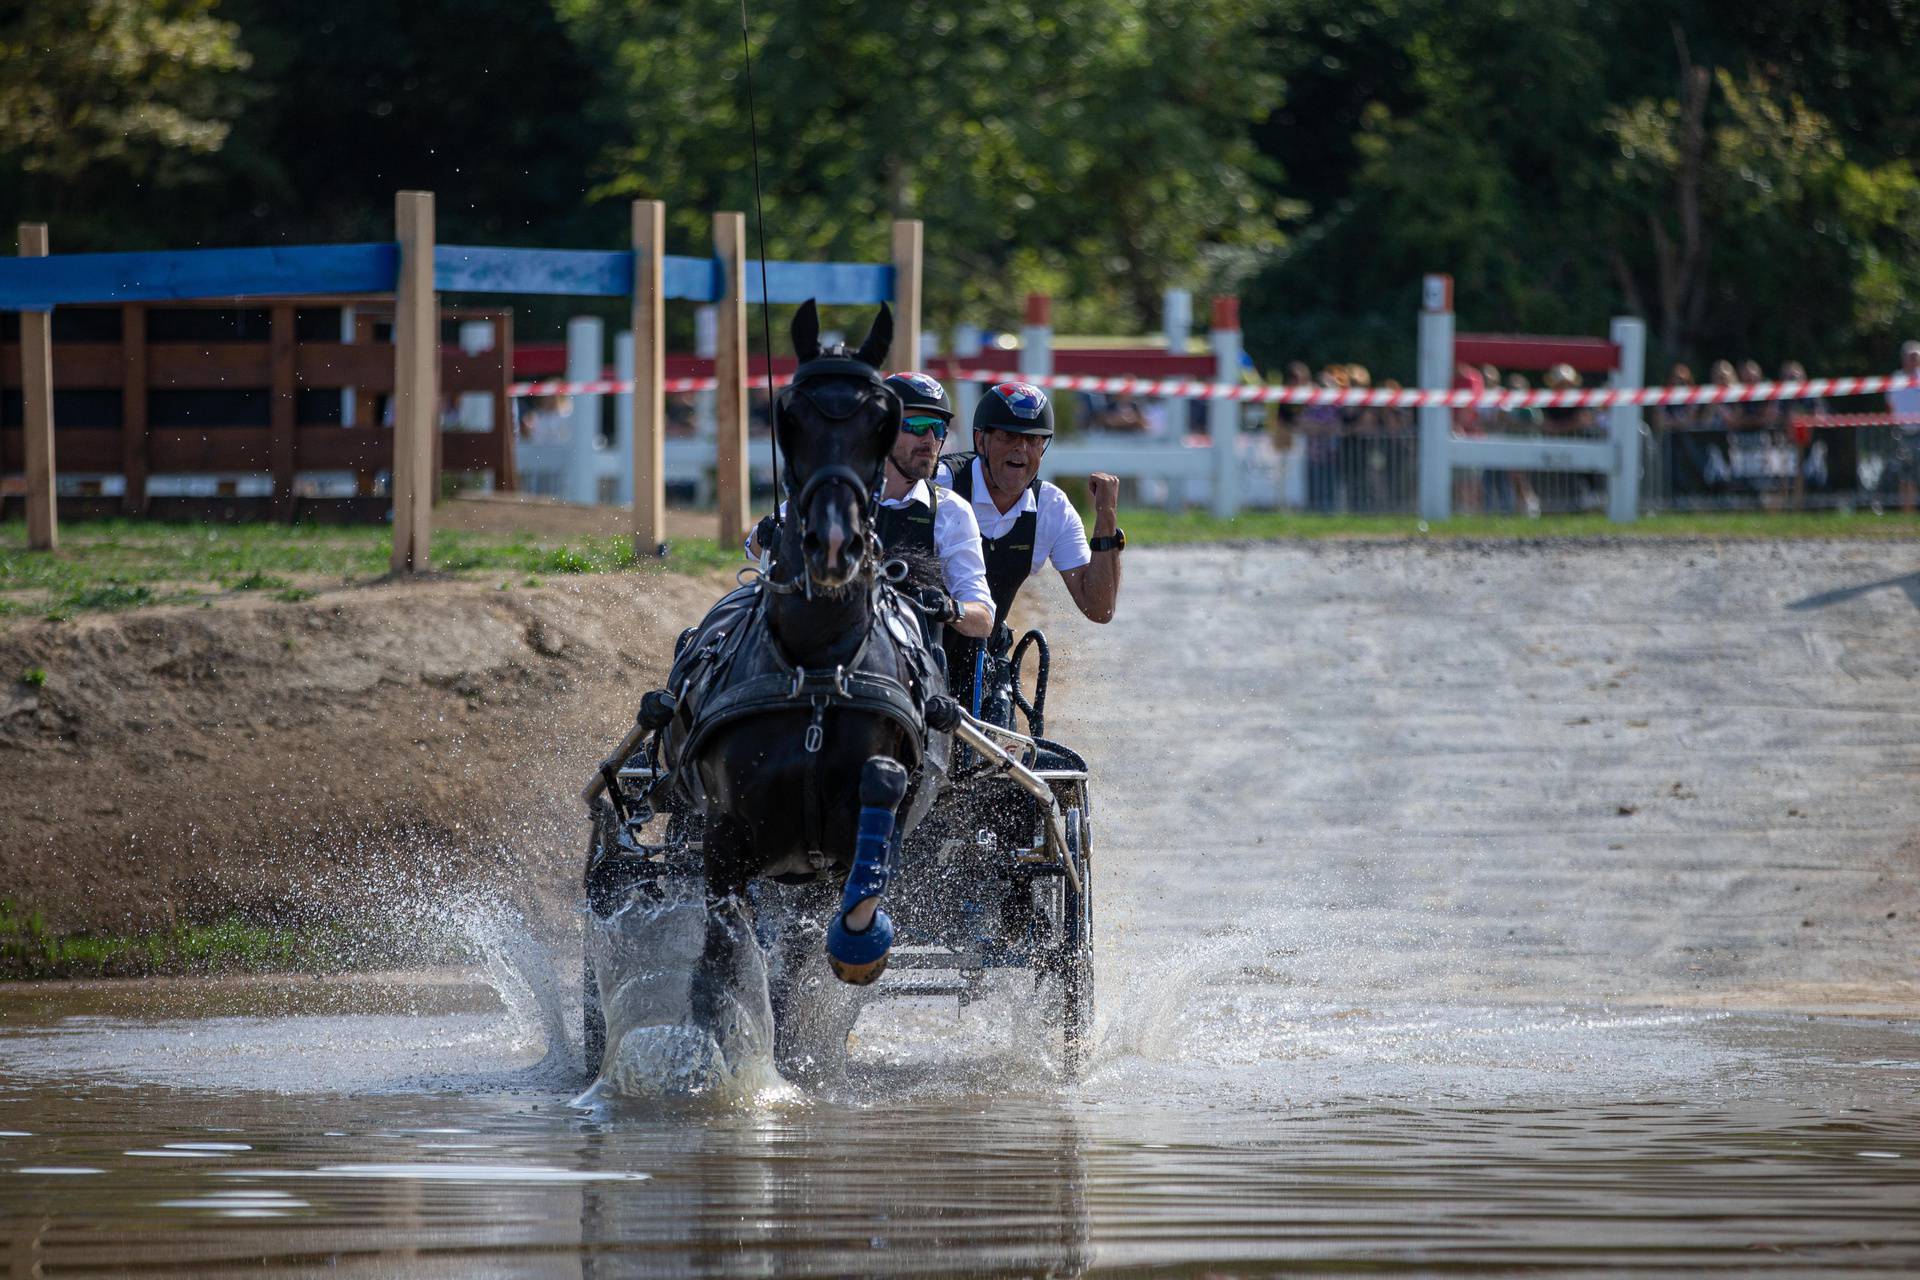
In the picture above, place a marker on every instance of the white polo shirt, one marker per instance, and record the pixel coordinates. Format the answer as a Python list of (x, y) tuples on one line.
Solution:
[(1059, 534), (956, 540)]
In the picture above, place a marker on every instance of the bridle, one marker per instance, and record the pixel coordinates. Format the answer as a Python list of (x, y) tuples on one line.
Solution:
[(838, 407)]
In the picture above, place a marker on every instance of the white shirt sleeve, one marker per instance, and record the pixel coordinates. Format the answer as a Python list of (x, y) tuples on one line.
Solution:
[(1067, 547), (956, 536)]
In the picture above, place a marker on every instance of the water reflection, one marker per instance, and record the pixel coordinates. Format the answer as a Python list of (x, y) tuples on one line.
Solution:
[(836, 1192), (1231, 1129)]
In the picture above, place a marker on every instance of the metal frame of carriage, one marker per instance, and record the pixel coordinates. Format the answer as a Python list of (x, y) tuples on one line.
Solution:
[(1013, 828)]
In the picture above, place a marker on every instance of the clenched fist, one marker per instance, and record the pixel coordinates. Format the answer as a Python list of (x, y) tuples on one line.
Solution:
[(1105, 492)]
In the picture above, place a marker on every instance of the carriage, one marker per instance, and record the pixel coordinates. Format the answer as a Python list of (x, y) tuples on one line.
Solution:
[(995, 877)]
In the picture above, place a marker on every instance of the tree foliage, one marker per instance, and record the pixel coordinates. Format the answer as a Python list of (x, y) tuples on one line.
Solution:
[(1739, 172), (1091, 147), (99, 97)]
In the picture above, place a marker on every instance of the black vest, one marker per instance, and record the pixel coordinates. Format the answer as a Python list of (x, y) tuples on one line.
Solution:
[(1009, 560), (908, 528), (1009, 557)]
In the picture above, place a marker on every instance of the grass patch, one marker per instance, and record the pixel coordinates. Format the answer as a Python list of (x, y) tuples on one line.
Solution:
[(34, 677), (1148, 527), (28, 949), (106, 598), (293, 595), (106, 565)]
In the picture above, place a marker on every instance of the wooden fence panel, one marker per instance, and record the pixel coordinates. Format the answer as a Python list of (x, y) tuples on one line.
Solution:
[(274, 373)]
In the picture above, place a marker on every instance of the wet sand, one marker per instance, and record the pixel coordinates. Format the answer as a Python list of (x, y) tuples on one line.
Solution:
[(1678, 773)]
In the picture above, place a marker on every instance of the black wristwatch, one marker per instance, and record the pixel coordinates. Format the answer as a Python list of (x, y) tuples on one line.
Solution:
[(1118, 542)]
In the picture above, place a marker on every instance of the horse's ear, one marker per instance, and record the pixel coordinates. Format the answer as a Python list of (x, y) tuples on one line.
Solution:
[(879, 339), (889, 426), (806, 332)]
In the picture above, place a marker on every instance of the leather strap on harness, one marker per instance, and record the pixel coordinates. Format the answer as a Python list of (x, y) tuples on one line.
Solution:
[(822, 690)]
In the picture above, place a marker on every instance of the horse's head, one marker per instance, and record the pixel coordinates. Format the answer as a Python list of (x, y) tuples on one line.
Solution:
[(835, 426)]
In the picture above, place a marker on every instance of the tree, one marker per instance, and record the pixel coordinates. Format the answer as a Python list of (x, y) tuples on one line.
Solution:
[(1093, 147), (1740, 206), (101, 98)]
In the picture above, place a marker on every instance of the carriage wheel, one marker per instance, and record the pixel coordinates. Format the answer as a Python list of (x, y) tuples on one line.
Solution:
[(1076, 954)]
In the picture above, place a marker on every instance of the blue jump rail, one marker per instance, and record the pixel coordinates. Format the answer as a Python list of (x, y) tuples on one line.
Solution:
[(459, 268), (40, 284)]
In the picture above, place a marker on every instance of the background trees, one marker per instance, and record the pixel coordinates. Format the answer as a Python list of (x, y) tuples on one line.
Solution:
[(1739, 173)]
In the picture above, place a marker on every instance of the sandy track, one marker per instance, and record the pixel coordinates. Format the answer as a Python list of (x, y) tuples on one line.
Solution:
[(1677, 773)]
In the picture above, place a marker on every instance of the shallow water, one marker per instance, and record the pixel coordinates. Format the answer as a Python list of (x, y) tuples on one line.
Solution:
[(430, 1130)]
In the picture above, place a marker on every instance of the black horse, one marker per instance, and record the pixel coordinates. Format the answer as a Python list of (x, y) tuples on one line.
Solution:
[(796, 717)]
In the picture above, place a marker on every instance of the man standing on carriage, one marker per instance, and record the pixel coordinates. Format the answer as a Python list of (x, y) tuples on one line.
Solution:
[(911, 520), (1025, 522)]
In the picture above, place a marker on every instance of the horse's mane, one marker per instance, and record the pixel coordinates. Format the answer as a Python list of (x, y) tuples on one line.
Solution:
[(923, 570)]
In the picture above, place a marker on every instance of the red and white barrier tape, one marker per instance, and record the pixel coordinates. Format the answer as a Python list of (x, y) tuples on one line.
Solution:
[(1407, 398), (607, 387), (1856, 420)]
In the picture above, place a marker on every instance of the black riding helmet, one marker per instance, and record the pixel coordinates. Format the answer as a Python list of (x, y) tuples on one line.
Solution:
[(1019, 407), (921, 393)]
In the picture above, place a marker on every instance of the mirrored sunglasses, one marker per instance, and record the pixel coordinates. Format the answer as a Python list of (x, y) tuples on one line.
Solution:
[(919, 425)]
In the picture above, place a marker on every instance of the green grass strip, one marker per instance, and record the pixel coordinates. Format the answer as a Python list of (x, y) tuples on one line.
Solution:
[(108, 565), (28, 949)]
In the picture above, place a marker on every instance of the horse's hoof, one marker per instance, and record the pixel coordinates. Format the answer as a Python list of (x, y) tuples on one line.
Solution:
[(858, 975), (859, 958)]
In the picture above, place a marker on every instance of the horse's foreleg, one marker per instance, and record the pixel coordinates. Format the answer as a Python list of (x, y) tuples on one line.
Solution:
[(713, 979), (861, 934)]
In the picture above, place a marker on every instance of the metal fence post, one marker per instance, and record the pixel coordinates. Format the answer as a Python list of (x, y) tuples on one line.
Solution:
[(1223, 414), (1036, 337), (966, 392), (1176, 327), (1623, 420), (1436, 374), (586, 362), (624, 477)]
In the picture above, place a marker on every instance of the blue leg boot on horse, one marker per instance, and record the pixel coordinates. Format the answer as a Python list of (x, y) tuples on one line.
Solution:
[(861, 936)]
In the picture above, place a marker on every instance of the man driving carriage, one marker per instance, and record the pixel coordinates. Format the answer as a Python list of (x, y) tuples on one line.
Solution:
[(1026, 522), (802, 737), (911, 519)]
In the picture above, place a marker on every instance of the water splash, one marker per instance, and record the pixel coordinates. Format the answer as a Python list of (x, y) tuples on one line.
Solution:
[(683, 988)]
